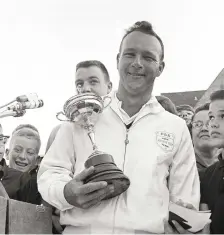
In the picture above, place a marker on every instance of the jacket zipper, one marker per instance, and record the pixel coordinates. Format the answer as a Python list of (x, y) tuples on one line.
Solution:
[(126, 141)]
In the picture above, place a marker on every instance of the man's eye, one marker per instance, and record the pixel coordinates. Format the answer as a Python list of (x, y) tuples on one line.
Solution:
[(79, 85), (31, 153), (211, 118), (149, 58), (129, 54), (93, 82), (222, 116), (17, 150)]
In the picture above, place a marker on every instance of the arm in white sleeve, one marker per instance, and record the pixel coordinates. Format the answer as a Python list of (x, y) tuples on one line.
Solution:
[(56, 168), (184, 181)]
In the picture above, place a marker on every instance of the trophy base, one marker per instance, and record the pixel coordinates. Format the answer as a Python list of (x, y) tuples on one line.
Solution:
[(106, 170)]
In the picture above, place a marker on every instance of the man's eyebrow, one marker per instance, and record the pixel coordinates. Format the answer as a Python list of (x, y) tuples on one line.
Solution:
[(93, 77)]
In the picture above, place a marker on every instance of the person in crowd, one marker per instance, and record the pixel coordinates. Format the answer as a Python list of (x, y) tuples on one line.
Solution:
[(205, 153), (23, 159), (212, 185), (91, 76), (152, 147), (24, 146), (3, 141), (186, 112), (167, 104)]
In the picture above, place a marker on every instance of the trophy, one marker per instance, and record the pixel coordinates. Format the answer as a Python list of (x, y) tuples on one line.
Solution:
[(84, 109)]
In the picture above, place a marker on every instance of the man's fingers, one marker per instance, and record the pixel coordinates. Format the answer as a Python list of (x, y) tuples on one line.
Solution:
[(99, 194), (95, 201), (86, 172), (91, 187)]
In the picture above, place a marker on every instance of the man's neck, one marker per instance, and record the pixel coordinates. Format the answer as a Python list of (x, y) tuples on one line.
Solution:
[(205, 157), (132, 104)]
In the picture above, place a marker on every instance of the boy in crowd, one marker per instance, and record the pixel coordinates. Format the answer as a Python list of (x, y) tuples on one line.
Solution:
[(212, 185), (23, 159), (205, 153)]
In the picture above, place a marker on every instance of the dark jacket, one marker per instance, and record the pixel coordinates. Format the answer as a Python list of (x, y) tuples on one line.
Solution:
[(21, 186)]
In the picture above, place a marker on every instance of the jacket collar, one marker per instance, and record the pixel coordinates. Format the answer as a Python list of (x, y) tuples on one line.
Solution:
[(151, 107)]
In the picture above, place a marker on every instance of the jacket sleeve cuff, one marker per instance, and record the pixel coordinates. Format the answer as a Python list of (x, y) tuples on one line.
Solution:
[(57, 194)]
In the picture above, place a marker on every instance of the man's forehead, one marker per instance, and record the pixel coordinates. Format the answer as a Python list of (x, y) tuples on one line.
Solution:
[(143, 41), (26, 131), (201, 115), (185, 111), (24, 142), (92, 71), (217, 105)]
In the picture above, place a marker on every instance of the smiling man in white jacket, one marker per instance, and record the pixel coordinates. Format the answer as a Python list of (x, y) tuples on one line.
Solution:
[(151, 146)]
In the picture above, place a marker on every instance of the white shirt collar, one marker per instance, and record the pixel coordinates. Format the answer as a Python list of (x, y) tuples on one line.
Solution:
[(125, 117)]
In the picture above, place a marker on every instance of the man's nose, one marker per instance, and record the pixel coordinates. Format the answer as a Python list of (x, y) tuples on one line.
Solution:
[(137, 63), (22, 155), (214, 124), (86, 88)]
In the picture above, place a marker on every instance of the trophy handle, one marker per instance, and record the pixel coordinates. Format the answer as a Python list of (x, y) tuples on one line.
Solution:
[(64, 117), (104, 98)]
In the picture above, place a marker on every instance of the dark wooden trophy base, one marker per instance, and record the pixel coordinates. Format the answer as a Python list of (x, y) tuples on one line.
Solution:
[(106, 170)]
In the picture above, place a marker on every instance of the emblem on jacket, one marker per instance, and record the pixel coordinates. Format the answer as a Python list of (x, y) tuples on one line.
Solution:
[(165, 140)]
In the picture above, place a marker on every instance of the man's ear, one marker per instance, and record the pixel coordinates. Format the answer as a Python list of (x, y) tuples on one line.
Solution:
[(38, 160), (161, 68), (118, 57), (7, 154), (110, 86)]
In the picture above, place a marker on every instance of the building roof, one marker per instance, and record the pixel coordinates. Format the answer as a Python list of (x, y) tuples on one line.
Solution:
[(187, 97), (218, 84)]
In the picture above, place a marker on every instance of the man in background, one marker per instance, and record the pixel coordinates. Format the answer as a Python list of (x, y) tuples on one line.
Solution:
[(205, 152), (91, 76), (186, 112)]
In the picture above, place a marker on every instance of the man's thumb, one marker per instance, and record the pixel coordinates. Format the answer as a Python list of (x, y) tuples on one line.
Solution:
[(86, 172)]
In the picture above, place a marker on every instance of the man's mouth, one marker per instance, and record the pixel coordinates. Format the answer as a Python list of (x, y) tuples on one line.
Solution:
[(137, 75), (215, 133), (204, 136), (22, 164)]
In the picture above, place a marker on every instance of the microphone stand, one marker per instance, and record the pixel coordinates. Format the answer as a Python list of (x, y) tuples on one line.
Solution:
[(15, 112)]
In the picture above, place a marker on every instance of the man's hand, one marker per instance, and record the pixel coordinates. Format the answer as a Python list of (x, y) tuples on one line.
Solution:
[(178, 229), (83, 195)]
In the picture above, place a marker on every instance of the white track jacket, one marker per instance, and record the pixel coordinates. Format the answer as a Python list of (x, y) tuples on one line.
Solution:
[(156, 154)]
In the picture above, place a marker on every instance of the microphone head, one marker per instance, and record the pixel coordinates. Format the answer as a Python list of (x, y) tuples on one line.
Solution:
[(22, 98), (41, 103)]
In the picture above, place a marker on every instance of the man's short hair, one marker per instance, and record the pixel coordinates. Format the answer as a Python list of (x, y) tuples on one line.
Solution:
[(144, 27), (217, 95), (201, 108), (167, 104), (97, 63), (34, 133), (185, 107)]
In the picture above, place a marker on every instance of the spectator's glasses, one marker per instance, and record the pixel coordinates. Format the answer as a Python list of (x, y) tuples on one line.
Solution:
[(200, 124), (3, 138)]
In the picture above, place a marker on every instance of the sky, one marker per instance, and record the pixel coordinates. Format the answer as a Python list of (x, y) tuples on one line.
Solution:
[(42, 41)]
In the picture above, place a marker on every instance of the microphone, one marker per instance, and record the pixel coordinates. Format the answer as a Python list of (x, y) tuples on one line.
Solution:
[(30, 101)]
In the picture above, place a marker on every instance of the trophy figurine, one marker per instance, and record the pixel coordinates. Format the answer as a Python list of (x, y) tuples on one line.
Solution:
[(84, 109)]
